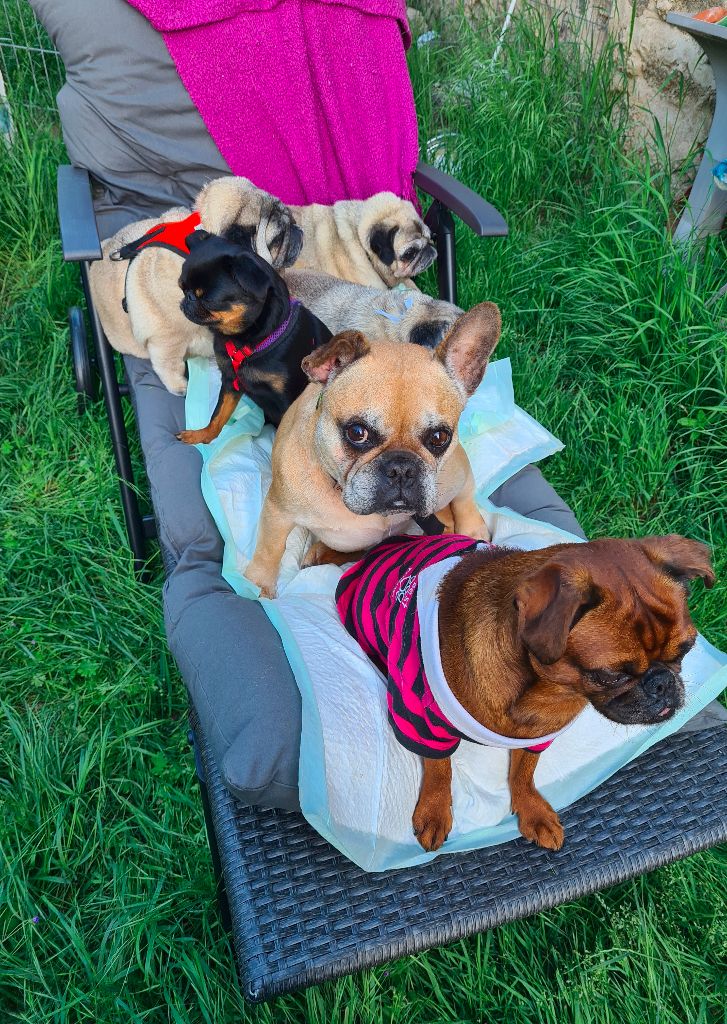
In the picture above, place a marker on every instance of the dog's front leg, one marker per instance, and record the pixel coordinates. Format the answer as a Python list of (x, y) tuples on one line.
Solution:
[(226, 405), (167, 359), (536, 819), (432, 819), (272, 537), (467, 518)]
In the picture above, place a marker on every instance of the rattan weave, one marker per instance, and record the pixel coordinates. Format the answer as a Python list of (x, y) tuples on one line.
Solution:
[(303, 914)]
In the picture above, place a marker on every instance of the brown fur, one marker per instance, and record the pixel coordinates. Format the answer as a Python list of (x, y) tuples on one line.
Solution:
[(523, 635), (227, 405), (404, 390), (230, 321)]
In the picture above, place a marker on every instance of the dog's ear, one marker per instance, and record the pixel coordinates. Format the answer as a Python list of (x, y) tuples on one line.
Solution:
[(680, 558), (381, 242), (193, 240), (246, 272), (549, 604), (429, 333), (467, 347), (325, 363)]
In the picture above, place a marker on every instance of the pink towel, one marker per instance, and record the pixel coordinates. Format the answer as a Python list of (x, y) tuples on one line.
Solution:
[(310, 99)]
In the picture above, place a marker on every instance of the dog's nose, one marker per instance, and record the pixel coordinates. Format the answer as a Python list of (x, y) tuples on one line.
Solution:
[(658, 681), (401, 471)]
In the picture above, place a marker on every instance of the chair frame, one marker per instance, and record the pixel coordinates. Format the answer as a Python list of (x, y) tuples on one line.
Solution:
[(298, 913)]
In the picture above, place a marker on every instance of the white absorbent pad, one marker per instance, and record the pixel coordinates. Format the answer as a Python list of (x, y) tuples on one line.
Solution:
[(358, 785)]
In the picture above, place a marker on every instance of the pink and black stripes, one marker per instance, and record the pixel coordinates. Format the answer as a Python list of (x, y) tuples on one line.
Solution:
[(376, 601)]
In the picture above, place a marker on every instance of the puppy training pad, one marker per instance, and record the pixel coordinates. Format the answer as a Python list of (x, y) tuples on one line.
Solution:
[(358, 785)]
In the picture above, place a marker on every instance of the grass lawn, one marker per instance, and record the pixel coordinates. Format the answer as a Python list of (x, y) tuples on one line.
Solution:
[(106, 911)]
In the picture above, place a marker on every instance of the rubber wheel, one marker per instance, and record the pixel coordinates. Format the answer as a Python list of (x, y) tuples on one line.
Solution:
[(83, 367)]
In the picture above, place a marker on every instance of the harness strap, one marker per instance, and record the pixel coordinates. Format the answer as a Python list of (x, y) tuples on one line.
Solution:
[(237, 357), (170, 234)]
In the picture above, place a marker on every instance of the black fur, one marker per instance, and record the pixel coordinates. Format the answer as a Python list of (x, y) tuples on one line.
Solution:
[(231, 277), (429, 334), (381, 241)]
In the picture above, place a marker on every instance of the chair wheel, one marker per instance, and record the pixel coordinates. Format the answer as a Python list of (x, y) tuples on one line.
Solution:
[(83, 364)]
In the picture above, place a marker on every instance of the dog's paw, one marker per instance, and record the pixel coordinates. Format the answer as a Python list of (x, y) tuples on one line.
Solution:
[(320, 554), (192, 436), (431, 825), (472, 526), (175, 384), (268, 587), (542, 827), (315, 555)]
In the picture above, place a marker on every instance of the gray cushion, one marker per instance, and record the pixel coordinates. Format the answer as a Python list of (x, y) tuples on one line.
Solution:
[(126, 115)]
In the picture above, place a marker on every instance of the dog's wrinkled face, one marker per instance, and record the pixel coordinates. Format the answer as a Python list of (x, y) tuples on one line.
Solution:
[(225, 286), (267, 222), (610, 621), (389, 411), (400, 242)]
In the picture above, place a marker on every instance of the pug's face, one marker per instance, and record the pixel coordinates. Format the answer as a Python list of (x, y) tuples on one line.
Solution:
[(405, 249), (398, 242), (232, 203)]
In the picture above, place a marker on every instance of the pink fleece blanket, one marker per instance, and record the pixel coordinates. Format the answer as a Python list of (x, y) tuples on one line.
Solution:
[(310, 99)]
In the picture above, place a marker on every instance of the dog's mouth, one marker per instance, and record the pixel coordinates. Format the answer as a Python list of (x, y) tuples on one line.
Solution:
[(195, 312), (653, 699), (363, 506), (415, 260)]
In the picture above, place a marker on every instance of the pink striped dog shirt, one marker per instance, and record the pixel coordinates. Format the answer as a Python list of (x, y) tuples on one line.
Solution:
[(388, 603)]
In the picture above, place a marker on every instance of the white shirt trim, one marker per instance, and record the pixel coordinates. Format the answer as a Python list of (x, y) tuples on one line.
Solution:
[(461, 719)]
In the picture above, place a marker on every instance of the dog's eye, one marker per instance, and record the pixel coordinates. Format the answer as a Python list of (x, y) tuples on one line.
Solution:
[(685, 647), (356, 434), (437, 440)]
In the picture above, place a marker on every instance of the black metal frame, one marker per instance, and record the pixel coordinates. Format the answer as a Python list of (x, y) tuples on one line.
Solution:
[(80, 242)]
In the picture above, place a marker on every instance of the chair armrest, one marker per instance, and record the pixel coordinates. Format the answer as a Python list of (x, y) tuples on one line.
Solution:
[(79, 234), (477, 213)]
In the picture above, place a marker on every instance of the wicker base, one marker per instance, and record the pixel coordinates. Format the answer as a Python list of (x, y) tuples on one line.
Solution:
[(303, 914)]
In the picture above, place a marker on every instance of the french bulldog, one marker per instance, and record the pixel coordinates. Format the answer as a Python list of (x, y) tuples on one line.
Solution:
[(372, 442), (513, 645)]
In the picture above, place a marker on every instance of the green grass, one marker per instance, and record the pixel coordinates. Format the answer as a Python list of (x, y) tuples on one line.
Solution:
[(614, 347)]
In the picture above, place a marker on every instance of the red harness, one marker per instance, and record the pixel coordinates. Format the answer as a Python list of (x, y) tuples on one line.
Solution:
[(171, 234), (237, 358)]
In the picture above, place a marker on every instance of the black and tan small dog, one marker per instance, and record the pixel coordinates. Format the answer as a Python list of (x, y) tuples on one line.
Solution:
[(261, 335)]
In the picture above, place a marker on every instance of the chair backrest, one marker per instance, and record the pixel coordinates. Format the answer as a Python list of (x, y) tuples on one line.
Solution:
[(291, 100)]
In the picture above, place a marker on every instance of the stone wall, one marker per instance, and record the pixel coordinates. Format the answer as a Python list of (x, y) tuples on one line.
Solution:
[(670, 78)]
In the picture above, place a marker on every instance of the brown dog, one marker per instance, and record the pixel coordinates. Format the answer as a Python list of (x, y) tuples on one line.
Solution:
[(530, 638), (513, 646), (372, 442)]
